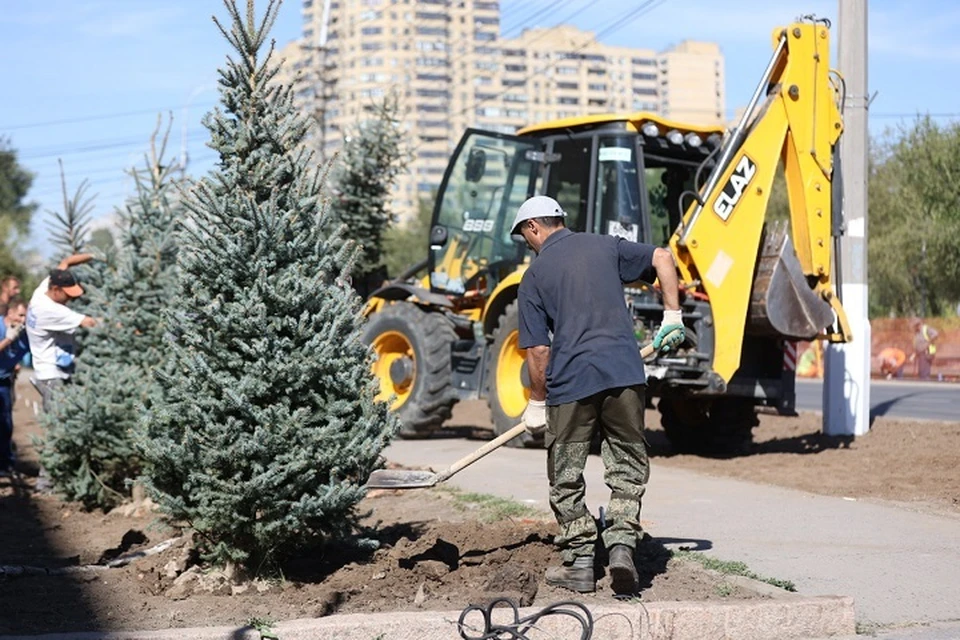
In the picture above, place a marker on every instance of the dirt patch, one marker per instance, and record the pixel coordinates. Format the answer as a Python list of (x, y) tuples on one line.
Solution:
[(438, 551), (913, 462)]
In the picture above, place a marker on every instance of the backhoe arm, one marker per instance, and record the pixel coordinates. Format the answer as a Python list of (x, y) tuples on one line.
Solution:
[(794, 118)]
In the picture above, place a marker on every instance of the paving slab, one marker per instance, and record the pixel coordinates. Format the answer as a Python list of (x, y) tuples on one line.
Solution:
[(788, 618)]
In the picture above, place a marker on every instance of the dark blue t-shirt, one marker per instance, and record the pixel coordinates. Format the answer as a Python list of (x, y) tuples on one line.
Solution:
[(574, 290)]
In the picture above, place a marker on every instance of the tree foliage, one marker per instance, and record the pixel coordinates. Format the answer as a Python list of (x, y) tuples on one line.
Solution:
[(914, 220), (405, 246), (362, 179), (265, 429), (89, 450), (15, 211)]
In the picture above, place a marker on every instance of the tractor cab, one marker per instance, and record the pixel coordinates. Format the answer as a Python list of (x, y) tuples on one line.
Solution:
[(629, 176)]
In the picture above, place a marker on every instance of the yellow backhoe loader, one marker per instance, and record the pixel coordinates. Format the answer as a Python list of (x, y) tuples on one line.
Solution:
[(750, 286)]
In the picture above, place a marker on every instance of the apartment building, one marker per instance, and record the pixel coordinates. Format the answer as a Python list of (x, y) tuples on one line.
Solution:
[(451, 69)]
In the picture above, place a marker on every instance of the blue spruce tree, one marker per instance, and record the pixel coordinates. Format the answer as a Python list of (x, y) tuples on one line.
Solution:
[(89, 450), (266, 428), (374, 153)]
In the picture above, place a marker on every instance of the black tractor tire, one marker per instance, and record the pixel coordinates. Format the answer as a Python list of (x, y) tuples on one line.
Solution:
[(721, 426), (426, 399), (505, 395)]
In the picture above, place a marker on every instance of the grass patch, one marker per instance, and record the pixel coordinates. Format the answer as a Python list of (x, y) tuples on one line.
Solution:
[(490, 508), (733, 568), (263, 626)]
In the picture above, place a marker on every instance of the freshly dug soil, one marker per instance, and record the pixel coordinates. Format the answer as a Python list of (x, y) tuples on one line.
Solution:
[(438, 550)]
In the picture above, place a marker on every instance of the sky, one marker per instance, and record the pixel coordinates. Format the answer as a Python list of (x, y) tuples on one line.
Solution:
[(84, 80)]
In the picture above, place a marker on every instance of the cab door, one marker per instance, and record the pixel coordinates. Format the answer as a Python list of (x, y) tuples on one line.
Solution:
[(488, 178)]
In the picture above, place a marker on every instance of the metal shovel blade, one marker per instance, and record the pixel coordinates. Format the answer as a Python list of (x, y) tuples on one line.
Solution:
[(782, 302), (401, 479)]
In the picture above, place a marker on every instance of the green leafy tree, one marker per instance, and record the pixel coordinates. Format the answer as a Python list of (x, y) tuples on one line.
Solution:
[(266, 428), (89, 449), (914, 195), (406, 246), (362, 179), (15, 212)]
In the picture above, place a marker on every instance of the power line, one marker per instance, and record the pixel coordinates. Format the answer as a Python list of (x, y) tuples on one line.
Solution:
[(550, 8), (618, 23), (50, 152), (102, 116)]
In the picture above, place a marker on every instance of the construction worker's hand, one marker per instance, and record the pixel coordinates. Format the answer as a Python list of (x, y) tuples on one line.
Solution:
[(535, 417), (14, 332), (671, 333)]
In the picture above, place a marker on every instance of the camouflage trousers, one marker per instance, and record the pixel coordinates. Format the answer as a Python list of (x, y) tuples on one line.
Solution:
[(617, 414)]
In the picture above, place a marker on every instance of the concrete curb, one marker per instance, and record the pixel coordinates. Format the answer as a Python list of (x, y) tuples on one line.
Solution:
[(785, 618)]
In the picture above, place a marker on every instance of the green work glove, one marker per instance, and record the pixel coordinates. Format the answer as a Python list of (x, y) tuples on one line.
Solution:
[(671, 333)]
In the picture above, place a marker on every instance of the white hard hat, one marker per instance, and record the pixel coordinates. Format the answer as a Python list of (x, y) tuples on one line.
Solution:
[(537, 207)]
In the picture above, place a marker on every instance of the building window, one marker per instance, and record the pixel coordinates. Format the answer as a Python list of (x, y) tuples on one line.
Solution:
[(513, 83), (516, 68), (484, 36), (432, 31), (424, 15), (566, 71), (568, 85), (643, 62), (568, 101), (597, 87), (644, 91), (515, 53), (371, 31)]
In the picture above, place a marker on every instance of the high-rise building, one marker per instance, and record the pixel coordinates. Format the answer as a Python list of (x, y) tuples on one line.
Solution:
[(452, 70), (691, 82)]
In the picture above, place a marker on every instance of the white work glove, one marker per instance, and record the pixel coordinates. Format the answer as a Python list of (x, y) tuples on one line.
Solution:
[(535, 417), (671, 333), (14, 332)]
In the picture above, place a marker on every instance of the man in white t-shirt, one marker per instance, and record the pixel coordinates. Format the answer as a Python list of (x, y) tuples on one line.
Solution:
[(51, 326)]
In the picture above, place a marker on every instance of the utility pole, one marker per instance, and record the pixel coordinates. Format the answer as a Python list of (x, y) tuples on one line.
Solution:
[(846, 384), (320, 80)]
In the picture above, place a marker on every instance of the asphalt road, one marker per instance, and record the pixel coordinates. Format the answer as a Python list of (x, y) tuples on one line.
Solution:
[(894, 399)]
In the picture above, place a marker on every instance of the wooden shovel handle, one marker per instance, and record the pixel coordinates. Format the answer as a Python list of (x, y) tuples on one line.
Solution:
[(496, 443)]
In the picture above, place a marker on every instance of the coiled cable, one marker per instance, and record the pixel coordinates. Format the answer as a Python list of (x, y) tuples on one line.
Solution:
[(516, 630)]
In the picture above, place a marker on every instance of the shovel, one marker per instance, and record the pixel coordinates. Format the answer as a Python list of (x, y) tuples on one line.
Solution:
[(412, 479)]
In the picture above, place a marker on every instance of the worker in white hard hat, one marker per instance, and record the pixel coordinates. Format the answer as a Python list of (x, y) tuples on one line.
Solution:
[(587, 375)]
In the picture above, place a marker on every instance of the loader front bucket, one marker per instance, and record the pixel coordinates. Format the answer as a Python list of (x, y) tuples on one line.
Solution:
[(782, 303)]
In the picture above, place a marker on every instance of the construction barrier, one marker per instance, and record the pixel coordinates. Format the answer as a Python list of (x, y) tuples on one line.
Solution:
[(892, 341)]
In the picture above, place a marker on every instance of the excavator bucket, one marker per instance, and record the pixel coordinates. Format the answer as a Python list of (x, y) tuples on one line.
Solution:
[(782, 303)]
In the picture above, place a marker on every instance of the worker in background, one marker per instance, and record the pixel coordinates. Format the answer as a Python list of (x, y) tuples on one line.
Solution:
[(13, 346), (51, 326), (892, 360), (586, 374), (924, 347), (9, 289)]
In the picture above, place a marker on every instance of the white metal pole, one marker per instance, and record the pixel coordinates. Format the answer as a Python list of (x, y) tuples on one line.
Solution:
[(846, 384)]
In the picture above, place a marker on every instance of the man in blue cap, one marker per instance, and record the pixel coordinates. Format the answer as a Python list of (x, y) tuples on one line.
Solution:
[(586, 374)]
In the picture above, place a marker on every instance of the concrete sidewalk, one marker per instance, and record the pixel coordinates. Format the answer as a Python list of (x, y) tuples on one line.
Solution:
[(900, 566)]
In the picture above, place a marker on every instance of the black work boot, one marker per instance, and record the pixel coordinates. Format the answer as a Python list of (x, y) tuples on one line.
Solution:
[(623, 572), (576, 576)]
